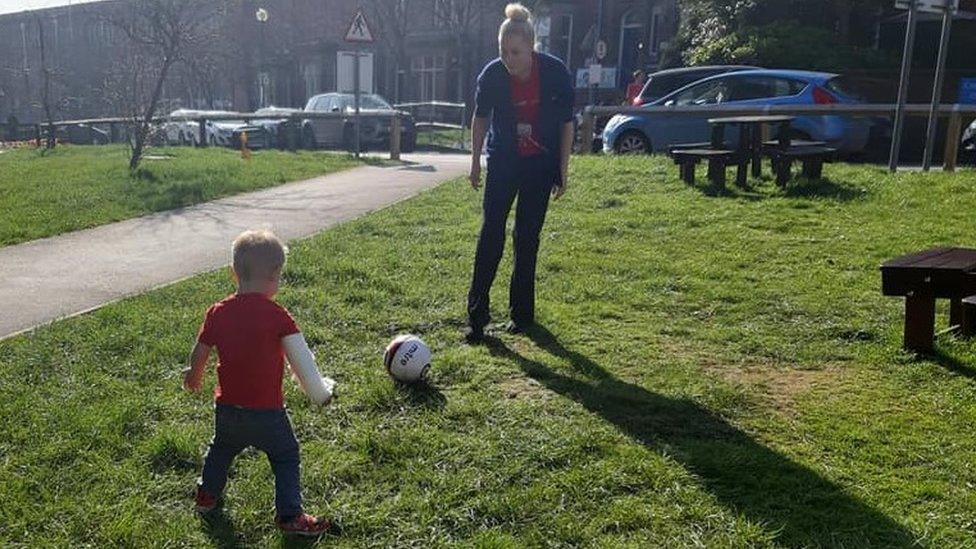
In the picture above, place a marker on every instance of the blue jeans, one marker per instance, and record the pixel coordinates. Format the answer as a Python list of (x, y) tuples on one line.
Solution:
[(236, 428)]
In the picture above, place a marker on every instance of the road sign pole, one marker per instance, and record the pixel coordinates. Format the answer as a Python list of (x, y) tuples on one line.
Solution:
[(937, 88), (906, 65), (356, 95)]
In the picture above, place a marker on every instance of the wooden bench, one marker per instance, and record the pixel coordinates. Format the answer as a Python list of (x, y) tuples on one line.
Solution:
[(922, 277), (812, 158), (717, 159)]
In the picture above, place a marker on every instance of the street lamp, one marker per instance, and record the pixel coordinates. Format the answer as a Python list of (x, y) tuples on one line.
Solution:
[(262, 16)]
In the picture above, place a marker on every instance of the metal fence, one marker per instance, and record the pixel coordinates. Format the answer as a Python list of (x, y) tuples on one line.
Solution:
[(957, 114), (429, 117)]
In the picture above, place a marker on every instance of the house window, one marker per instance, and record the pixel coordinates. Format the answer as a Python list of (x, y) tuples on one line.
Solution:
[(542, 26), (656, 18), (428, 73)]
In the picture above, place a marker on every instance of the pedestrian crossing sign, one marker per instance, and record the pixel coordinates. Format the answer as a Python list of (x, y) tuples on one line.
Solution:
[(359, 29)]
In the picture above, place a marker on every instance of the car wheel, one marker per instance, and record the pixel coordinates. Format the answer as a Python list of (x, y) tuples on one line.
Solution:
[(308, 138), (632, 142)]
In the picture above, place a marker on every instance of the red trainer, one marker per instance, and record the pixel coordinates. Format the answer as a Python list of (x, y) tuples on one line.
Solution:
[(304, 525), (205, 501)]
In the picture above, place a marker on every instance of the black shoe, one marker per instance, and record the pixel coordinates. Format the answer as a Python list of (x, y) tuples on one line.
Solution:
[(513, 327), (474, 336)]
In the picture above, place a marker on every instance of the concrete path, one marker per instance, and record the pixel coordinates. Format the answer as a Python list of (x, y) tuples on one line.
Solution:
[(48, 279)]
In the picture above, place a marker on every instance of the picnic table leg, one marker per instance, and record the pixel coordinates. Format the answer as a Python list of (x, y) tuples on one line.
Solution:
[(812, 169), (955, 311), (756, 134), (718, 136), (688, 172), (919, 323), (745, 151), (783, 170), (716, 172)]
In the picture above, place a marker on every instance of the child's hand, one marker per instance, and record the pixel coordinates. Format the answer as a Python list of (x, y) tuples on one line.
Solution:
[(190, 385)]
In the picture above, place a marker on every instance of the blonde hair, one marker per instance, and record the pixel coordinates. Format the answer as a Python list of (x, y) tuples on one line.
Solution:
[(518, 20), (257, 254)]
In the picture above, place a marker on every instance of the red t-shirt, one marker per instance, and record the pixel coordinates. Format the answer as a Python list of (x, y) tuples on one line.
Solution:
[(247, 329), (633, 91), (525, 98)]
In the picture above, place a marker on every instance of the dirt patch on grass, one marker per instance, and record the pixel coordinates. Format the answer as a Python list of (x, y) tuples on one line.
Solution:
[(779, 385), (524, 387)]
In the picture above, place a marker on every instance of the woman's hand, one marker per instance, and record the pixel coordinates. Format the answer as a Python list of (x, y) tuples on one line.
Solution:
[(475, 176), (560, 189)]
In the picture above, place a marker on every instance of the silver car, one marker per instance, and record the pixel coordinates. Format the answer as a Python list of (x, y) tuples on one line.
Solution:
[(339, 131)]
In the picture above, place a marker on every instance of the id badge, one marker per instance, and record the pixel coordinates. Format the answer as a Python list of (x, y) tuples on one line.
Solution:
[(524, 130)]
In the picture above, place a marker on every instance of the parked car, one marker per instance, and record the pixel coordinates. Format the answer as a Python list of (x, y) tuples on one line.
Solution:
[(968, 144), (340, 130), (81, 134), (183, 128), (656, 131), (662, 83), (275, 127)]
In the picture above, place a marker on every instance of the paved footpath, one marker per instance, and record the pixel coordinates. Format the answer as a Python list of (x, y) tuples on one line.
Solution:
[(52, 278)]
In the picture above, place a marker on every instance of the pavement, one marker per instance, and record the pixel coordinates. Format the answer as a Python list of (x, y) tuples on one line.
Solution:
[(53, 278)]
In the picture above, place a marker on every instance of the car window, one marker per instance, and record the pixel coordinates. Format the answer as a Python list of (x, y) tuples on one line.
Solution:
[(373, 102), (712, 92), (744, 88)]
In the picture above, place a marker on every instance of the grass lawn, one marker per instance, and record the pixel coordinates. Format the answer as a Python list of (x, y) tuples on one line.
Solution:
[(445, 139), (712, 370), (75, 187)]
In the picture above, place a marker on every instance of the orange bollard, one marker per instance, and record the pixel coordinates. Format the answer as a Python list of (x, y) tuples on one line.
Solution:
[(245, 152)]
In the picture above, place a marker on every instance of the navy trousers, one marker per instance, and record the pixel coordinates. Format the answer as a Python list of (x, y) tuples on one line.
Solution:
[(236, 428), (531, 181)]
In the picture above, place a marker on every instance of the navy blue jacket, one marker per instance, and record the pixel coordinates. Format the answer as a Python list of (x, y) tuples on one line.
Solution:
[(493, 97)]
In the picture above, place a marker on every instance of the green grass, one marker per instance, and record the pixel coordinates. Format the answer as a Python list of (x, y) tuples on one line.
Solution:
[(445, 139), (47, 193), (714, 370)]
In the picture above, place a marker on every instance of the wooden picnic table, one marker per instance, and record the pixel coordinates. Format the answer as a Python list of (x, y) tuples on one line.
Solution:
[(921, 277), (750, 135)]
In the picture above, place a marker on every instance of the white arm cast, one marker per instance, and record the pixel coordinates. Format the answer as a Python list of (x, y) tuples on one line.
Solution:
[(302, 362)]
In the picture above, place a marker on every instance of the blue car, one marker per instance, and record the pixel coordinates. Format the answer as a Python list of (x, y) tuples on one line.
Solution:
[(656, 131)]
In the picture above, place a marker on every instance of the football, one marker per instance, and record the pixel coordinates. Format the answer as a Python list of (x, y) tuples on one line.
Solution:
[(407, 358)]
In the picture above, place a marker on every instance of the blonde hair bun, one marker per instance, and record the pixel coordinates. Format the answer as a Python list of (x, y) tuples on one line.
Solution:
[(517, 12)]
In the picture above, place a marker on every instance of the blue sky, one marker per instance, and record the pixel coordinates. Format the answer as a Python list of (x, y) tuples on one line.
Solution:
[(12, 6)]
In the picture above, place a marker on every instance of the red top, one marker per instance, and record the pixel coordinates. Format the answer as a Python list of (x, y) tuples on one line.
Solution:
[(633, 91), (247, 331), (525, 98)]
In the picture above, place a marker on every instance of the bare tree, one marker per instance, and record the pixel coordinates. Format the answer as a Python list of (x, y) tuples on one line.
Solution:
[(391, 21), (159, 33), (459, 18)]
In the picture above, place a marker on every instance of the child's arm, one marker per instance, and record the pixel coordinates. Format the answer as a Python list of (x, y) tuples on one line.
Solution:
[(302, 362), (193, 376)]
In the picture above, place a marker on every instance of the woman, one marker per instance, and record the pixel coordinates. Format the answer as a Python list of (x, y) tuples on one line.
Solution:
[(524, 101)]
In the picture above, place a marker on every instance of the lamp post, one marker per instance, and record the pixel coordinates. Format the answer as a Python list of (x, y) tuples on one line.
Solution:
[(262, 16)]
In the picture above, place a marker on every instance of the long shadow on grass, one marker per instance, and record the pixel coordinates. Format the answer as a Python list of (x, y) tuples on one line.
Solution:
[(767, 487)]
